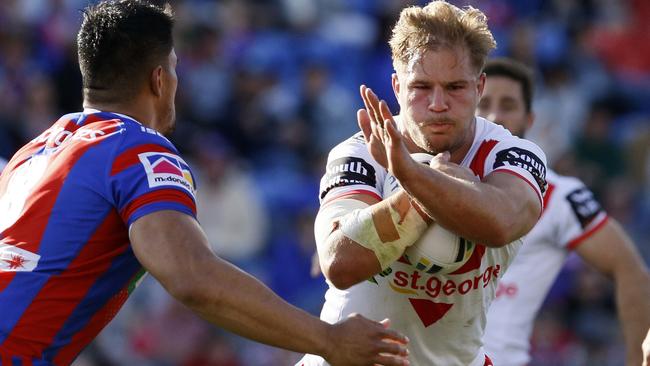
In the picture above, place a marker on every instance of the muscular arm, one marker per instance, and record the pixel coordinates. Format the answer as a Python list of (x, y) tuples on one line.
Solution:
[(612, 252), (343, 261), (494, 212), (174, 249)]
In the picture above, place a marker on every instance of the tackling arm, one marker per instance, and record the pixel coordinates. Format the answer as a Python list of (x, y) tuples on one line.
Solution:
[(174, 249), (612, 252), (501, 208)]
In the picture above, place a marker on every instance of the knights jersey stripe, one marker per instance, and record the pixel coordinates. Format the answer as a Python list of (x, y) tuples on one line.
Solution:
[(66, 264)]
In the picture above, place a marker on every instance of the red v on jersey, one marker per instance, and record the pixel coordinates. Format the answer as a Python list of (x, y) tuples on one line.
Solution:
[(429, 311)]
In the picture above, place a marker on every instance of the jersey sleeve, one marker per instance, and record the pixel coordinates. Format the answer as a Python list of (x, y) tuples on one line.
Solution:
[(148, 175), (351, 170), (520, 158), (579, 214)]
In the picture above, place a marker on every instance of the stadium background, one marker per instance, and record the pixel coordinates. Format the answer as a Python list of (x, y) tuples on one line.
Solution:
[(268, 86)]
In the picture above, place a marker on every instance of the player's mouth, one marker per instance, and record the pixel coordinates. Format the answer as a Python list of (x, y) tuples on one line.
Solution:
[(438, 127)]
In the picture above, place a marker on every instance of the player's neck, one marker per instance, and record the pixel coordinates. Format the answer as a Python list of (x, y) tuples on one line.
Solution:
[(134, 110)]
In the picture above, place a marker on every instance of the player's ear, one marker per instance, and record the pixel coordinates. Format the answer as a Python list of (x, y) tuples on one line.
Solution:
[(481, 84), (156, 81), (396, 85)]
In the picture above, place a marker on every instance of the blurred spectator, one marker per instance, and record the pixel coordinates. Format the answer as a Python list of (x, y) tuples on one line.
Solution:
[(228, 203), (560, 112), (599, 157)]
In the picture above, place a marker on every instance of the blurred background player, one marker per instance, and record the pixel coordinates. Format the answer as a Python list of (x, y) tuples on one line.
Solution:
[(572, 221), (439, 51), (102, 197)]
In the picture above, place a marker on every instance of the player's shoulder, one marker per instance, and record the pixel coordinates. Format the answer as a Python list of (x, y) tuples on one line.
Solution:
[(113, 129), (488, 130), (351, 166), (135, 133), (355, 145), (138, 144)]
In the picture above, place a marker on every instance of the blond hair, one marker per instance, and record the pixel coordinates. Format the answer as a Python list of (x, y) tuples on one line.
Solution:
[(440, 24)]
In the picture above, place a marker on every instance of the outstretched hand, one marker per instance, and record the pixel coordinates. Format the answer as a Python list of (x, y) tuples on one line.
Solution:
[(359, 341), (382, 137)]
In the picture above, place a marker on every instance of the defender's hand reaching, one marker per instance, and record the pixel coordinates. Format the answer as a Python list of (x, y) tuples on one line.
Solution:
[(362, 342)]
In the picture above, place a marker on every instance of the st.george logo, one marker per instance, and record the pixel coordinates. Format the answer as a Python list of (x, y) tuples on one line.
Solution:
[(164, 169)]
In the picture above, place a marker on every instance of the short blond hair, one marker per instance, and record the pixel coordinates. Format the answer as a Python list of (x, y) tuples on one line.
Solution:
[(440, 24)]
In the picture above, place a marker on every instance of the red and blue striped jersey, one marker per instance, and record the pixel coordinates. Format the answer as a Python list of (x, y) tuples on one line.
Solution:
[(67, 199)]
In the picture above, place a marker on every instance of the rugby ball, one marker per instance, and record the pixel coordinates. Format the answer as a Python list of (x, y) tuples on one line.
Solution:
[(438, 251)]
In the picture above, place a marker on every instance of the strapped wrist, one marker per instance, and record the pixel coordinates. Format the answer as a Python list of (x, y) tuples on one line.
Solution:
[(385, 230)]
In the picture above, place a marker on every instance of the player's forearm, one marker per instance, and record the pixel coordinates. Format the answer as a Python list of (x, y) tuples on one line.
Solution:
[(633, 304), (348, 263), (362, 242), (455, 202), (232, 299)]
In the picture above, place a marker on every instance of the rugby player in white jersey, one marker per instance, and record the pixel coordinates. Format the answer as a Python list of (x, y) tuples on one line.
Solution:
[(483, 184), (572, 220)]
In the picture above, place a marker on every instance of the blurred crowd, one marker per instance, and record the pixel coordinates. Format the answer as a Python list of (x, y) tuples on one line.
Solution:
[(267, 87)]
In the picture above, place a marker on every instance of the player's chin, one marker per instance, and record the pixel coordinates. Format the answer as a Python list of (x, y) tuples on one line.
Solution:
[(437, 143)]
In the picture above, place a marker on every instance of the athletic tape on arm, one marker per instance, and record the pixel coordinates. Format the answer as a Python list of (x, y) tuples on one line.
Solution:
[(328, 214), (383, 230)]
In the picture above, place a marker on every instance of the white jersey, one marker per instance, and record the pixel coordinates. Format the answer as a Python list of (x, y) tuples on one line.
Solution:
[(571, 214), (443, 315)]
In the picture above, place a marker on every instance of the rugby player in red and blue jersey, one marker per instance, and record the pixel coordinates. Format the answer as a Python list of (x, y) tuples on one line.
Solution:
[(101, 197)]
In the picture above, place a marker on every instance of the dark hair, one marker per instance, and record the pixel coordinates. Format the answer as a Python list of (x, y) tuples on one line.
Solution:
[(119, 43), (516, 71)]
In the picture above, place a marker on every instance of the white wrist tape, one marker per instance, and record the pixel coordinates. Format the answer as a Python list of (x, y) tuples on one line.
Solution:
[(330, 213), (383, 230)]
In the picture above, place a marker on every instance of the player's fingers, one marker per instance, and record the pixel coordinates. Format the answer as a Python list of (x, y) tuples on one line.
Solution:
[(373, 104), (367, 103), (392, 133), (392, 336), (364, 124), (390, 360), (384, 111), (377, 131)]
